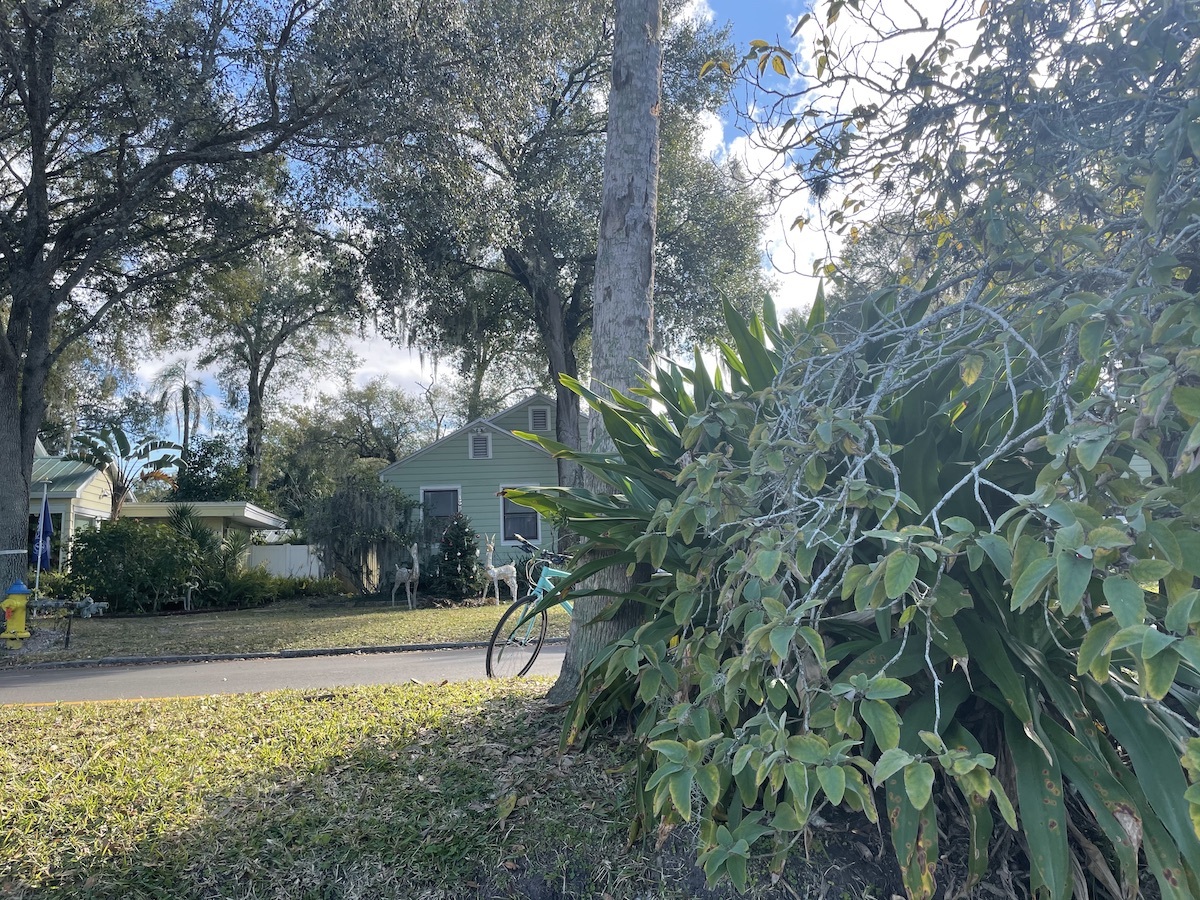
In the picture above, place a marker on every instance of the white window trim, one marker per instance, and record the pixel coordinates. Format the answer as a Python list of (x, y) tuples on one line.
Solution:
[(439, 487), (536, 541), (471, 446), (546, 410)]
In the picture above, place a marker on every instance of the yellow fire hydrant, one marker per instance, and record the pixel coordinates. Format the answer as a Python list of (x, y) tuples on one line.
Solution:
[(14, 614)]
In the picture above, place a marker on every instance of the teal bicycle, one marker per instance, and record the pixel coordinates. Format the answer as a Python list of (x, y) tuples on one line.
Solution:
[(521, 631)]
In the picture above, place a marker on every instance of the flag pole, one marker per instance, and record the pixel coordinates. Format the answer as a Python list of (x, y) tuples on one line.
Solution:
[(41, 538)]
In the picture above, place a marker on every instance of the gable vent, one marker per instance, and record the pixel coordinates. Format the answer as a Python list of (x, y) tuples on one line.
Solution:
[(481, 446), (539, 419)]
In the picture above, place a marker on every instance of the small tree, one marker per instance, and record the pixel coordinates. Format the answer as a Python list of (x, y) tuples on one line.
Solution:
[(360, 529), (457, 574)]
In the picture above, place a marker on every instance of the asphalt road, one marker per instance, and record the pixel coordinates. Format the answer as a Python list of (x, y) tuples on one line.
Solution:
[(251, 675)]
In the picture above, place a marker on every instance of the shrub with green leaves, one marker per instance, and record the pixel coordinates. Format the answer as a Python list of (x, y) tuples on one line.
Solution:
[(939, 560), (132, 566)]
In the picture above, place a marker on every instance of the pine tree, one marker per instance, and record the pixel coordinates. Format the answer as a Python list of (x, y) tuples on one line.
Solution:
[(458, 575)]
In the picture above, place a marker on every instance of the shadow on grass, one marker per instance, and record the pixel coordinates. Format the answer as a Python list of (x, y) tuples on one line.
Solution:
[(448, 792)]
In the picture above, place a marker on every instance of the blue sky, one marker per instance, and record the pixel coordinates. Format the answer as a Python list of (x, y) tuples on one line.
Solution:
[(769, 20)]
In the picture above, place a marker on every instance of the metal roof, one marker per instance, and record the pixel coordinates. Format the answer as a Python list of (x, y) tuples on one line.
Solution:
[(66, 476)]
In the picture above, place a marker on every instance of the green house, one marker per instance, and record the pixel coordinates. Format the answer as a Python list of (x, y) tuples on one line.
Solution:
[(466, 470)]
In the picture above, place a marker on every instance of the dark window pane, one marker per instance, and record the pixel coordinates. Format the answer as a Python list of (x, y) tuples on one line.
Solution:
[(441, 504)]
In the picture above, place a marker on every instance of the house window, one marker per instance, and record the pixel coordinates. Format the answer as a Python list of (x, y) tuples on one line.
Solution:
[(519, 520), (439, 506), (539, 418), (480, 446)]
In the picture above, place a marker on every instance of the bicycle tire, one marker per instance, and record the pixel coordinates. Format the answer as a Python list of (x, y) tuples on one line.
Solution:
[(515, 644)]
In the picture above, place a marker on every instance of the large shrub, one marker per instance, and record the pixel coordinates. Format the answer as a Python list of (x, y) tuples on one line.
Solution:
[(942, 570), (132, 566)]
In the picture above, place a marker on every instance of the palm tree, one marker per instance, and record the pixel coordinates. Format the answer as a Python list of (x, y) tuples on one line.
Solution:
[(182, 392), (110, 450)]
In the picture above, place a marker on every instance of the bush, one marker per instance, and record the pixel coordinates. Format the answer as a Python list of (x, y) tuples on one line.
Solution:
[(131, 566), (58, 585), (918, 579)]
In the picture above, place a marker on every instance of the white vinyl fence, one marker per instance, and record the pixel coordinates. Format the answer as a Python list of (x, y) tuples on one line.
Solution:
[(293, 560)]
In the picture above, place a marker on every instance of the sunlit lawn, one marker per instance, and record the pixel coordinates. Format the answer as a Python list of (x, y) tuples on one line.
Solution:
[(288, 625)]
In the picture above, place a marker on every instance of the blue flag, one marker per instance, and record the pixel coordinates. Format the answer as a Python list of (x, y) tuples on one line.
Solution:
[(41, 540)]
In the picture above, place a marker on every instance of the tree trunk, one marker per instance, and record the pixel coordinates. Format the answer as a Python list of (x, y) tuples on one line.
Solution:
[(622, 310), (531, 268), (254, 426), (22, 408)]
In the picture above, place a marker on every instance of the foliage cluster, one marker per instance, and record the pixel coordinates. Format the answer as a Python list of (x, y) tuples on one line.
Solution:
[(943, 579), (215, 470), (137, 567), (130, 565)]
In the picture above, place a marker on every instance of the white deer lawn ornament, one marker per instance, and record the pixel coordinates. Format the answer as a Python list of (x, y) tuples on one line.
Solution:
[(506, 573), (408, 577)]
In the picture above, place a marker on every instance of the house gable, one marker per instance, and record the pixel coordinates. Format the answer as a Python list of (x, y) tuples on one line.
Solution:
[(478, 461)]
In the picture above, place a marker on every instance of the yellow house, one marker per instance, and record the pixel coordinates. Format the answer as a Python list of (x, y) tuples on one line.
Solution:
[(79, 496)]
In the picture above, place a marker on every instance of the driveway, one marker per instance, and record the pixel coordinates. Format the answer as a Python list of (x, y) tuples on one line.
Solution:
[(251, 675)]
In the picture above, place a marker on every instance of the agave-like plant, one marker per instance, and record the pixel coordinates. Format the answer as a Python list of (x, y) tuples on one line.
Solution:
[(939, 559)]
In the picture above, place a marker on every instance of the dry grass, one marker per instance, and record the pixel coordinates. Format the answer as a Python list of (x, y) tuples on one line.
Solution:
[(287, 625)]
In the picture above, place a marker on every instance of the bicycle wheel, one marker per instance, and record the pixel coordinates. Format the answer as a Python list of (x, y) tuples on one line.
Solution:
[(516, 641)]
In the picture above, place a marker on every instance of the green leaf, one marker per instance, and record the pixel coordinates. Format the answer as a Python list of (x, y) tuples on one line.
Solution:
[(889, 763), (1163, 540), (786, 819), (1187, 400), (671, 750), (882, 687), (1074, 573), (1159, 673), (833, 782), (781, 639), (1126, 600), (766, 563), (1091, 337), (1155, 642), (708, 778), (998, 551), (1107, 537), (680, 787), (1032, 582), (1093, 647), (1043, 813), (883, 722), (900, 570), (1089, 452), (1179, 615), (970, 368), (1150, 571), (918, 784)]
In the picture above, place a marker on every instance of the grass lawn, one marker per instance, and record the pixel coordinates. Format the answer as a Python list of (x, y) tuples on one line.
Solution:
[(287, 625), (398, 791), (410, 791)]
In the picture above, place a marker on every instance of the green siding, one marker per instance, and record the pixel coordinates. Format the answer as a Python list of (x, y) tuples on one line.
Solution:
[(514, 463), (517, 418)]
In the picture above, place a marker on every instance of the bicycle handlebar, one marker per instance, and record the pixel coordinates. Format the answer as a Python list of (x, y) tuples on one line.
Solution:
[(538, 551)]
